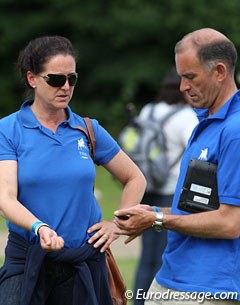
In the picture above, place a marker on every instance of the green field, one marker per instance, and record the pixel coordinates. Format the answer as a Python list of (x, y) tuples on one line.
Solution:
[(110, 191)]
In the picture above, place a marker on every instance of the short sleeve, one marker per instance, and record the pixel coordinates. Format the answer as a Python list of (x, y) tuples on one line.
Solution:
[(106, 145), (7, 147)]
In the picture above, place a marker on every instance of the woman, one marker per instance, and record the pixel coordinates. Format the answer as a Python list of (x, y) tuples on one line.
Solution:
[(57, 238)]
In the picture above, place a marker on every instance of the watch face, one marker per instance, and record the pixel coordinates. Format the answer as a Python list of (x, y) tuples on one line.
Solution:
[(157, 227)]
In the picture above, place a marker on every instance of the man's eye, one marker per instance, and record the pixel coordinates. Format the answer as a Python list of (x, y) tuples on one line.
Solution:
[(190, 76)]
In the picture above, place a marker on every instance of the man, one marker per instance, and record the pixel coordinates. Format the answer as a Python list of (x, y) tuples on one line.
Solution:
[(202, 258)]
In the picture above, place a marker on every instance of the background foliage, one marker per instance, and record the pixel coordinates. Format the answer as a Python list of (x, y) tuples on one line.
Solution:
[(124, 46)]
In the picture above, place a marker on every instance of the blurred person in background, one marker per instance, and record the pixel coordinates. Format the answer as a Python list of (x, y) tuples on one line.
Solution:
[(55, 250), (177, 129)]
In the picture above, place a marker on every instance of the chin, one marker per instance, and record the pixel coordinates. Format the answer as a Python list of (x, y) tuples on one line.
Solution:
[(62, 103)]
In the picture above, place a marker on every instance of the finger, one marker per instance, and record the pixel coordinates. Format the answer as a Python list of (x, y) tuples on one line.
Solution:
[(105, 246), (59, 243), (104, 239), (122, 212), (53, 243), (95, 237), (129, 239), (122, 232), (44, 245), (121, 224), (46, 234), (95, 227), (118, 220), (45, 240)]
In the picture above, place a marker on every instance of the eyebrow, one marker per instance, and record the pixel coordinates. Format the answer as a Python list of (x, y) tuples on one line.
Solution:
[(188, 75)]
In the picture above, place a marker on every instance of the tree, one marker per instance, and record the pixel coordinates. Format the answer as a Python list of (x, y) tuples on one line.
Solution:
[(124, 46)]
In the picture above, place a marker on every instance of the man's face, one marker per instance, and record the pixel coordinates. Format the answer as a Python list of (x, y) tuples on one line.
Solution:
[(199, 86)]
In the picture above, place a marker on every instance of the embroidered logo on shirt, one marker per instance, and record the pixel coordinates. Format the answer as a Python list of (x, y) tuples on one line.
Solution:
[(83, 149), (81, 144), (204, 154)]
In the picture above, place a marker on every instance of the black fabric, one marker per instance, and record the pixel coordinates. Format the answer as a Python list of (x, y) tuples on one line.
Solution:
[(91, 285)]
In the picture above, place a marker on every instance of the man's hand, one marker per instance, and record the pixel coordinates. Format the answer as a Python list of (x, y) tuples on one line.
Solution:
[(140, 218)]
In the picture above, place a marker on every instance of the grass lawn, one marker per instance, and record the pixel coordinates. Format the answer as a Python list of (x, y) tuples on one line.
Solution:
[(110, 192), (127, 268)]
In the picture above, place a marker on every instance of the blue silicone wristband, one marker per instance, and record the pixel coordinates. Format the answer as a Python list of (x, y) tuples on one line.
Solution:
[(36, 224), (156, 209)]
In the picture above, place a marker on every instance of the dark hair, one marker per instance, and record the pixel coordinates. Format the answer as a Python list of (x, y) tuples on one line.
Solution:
[(212, 51), (221, 50), (169, 91), (39, 50)]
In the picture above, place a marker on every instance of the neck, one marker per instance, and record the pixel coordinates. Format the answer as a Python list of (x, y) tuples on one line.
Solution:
[(224, 95), (49, 118)]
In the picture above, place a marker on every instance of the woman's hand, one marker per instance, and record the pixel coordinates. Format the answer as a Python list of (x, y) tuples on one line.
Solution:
[(49, 240), (106, 233)]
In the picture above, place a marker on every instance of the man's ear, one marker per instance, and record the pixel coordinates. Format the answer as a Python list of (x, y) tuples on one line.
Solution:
[(220, 71)]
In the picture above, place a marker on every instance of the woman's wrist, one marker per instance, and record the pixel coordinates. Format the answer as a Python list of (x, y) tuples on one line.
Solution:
[(37, 225)]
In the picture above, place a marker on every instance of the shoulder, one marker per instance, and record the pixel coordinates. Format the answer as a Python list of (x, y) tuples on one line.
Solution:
[(231, 125), (8, 123), (79, 120), (100, 133)]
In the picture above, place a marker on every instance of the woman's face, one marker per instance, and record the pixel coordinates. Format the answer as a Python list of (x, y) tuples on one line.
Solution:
[(54, 97)]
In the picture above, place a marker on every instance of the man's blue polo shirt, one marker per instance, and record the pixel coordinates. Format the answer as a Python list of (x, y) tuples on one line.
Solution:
[(198, 264), (55, 171)]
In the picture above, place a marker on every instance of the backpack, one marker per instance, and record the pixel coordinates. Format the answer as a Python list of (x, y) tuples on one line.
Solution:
[(144, 141)]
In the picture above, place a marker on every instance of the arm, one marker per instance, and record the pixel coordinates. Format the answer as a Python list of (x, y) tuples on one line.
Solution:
[(134, 184), (132, 179), (15, 212), (222, 223)]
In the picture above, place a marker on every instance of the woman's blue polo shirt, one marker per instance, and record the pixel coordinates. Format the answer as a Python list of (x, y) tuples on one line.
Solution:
[(208, 265), (56, 173)]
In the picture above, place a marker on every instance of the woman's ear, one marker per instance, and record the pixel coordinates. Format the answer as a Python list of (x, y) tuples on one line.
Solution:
[(31, 79)]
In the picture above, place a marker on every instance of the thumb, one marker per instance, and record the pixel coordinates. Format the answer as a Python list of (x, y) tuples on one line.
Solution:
[(121, 212)]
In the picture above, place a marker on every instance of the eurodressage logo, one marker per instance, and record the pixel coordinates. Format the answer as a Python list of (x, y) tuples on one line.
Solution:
[(204, 154), (82, 149)]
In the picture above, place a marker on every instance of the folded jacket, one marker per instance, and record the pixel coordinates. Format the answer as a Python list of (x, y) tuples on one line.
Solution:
[(91, 285)]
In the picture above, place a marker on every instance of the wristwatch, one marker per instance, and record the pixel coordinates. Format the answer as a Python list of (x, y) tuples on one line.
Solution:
[(158, 223)]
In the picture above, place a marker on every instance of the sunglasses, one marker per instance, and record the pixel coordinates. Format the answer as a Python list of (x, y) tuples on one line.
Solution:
[(59, 80)]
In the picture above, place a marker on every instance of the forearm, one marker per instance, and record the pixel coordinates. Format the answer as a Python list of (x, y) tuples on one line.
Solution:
[(16, 213), (214, 224), (223, 223), (132, 193), (129, 175)]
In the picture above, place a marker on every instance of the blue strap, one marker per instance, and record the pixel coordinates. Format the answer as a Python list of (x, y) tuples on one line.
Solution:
[(156, 209)]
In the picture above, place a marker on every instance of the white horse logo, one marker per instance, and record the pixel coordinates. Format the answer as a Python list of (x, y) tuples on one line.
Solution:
[(81, 144), (203, 155)]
